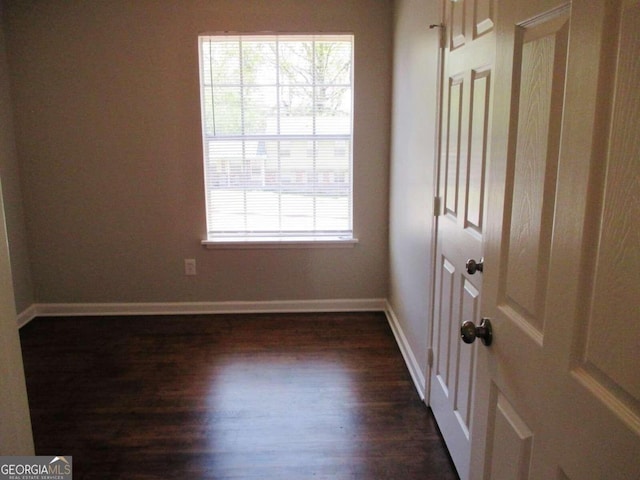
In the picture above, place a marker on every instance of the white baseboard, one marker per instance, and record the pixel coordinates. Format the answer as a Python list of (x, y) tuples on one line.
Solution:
[(27, 315), (409, 358), (186, 308)]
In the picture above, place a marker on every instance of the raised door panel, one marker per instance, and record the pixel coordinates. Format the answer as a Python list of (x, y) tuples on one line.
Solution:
[(451, 145), (442, 328), (614, 319), (464, 363), (457, 24), (483, 17), (511, 438), (608, 334), (477, 154), (540, 59), (602, 380)]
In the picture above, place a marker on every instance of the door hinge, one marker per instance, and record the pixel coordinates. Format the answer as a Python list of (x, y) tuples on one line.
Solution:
[(430, 357), (436, 206), (442, 32)]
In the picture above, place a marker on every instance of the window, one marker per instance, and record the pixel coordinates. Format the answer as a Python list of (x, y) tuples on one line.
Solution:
[(277, 135)]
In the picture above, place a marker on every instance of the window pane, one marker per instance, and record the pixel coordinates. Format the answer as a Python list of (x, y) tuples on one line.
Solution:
[(296, 102), (259, 66), (207, 111), (263, 211), (332, 101), (227, 110), (224, 67), (260, 105), (277, 129), (333, 63), (296, 62)]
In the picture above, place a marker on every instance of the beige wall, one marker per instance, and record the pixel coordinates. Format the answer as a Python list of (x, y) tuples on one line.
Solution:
[(107, 121), (412, 170), (12, 194)]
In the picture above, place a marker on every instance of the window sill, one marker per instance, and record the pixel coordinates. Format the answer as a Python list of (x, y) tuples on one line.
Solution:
[(285, 242)]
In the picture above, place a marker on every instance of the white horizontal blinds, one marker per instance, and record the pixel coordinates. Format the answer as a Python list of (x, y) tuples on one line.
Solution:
[(277, 128)]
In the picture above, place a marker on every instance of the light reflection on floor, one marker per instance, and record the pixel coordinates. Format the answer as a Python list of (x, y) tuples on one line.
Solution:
[(300, 403)]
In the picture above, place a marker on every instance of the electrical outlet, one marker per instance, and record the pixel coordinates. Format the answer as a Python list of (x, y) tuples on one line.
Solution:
[(189, 266)]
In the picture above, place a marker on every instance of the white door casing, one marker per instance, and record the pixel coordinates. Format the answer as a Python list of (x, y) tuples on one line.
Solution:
[(15, 422), (557, 395), (465, 114)]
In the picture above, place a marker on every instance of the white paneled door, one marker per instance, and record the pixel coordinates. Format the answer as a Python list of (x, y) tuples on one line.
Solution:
[(469, 43), (557, 394)]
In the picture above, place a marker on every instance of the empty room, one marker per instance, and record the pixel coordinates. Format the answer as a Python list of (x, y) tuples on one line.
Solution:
[(338, 239)]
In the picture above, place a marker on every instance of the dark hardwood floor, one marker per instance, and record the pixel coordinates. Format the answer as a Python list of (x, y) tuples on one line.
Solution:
[(287, 396)]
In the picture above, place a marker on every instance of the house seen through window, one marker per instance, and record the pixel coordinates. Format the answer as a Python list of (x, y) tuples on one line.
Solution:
[(277, 114)]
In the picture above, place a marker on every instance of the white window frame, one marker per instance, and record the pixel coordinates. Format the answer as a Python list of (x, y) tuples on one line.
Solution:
[(282, 239)]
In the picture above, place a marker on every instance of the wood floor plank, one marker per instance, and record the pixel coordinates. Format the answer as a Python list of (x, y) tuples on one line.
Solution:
[(265, 396)]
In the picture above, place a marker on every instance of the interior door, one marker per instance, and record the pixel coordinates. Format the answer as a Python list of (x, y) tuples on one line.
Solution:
[(466, 97), (557, 394)]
